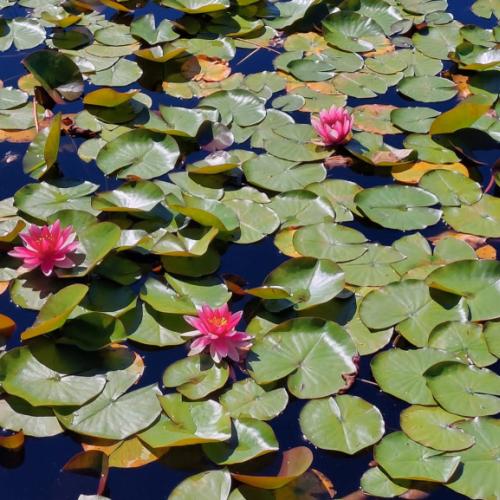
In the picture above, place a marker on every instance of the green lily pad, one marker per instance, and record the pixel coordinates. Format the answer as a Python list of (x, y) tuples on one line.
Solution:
[(427, 88), (188, 423), (121, 74), (353, 32), (139, 152), (479, 477), (410, 305), (400, 373), (434, 427), (247, 399), (114, 415), (438, 41), (399, 207), (18, 415), (329, 241), (476, 281), (147, 326), (301, 208), (276, 174), (56, 310), (376, 483), (430, 150), (42, 200), (312, 353), (238, 106), (196, 376), (464, 389), (373, 267), (465, 340), (256, 220), (492, 336), (418, 120), (452, 188), (249, 439), (309, 281), (211, 485), (25, 376), (344, 423), (58, 74), (403, 458), (481, 218)]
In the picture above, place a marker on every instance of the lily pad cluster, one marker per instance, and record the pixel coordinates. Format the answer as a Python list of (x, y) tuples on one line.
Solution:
[(230, 158)]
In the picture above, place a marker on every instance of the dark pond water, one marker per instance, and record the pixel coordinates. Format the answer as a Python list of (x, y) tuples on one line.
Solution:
[(35, 473)]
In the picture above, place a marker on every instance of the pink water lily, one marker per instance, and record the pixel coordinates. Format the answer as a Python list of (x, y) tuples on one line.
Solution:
[(333, 125), (216, 331), (46, 247)]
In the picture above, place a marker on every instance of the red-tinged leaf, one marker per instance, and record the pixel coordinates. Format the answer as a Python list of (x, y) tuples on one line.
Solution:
[(93, 463), (13, 442), (7, 326), (295, 462)]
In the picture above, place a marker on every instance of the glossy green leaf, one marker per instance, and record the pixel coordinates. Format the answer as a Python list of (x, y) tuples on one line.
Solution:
[(313, 354), (344, 423)]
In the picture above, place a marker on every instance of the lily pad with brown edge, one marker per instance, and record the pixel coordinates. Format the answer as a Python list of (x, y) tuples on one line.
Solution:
[(294, 463)]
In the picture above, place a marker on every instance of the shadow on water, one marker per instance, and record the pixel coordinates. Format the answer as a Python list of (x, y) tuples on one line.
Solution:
[(35, 473)]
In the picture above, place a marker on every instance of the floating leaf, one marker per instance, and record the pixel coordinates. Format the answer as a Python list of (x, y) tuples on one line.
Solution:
[(188, 423), (402, 458), (476, 281), (27, 377), (212, 485), (481, 218), (464, 389), (196, 376), (399, 207), (464, 340), (139, 152), (295, 462), (309, 281), (315, 356), (344, 423), (400, 373), (427, 88), (246, 399), (479, 472), (434, 427), (249, 439), (56, 310), (57, 73)]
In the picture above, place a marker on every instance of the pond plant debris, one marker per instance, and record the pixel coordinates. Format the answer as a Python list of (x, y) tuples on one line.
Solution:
[(156, 139)]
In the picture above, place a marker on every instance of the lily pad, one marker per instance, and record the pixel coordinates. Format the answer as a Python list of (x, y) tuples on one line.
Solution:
[(434, 427), (247, 399), (188, 423), (309, 281), (399, 207), (196, 376), (403, 458), (139, 152), (313, 354), (249, 439), (401, 373), (344, 423), (464, 389)]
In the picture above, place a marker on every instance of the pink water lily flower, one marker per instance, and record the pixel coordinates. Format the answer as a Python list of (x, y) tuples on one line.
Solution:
[(216, 330), (333, 125), (46, 247)]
